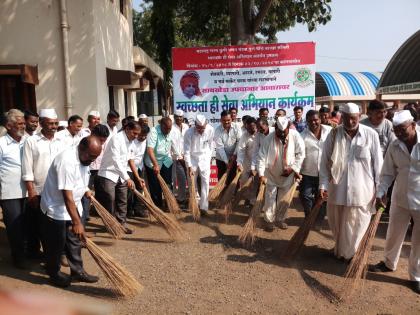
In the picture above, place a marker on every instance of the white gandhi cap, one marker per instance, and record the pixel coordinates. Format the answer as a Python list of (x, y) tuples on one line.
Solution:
[(402, 117), (143, 116), (179, 112), (200, 120), (94, 113), (48, 113), (282, 123), (350, 108)]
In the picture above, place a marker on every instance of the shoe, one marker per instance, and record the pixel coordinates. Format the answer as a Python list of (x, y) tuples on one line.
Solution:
[(380, 267), (415, 286), (60, 280), (36, 255), (83, 277), (269, 227), (282, 225), (204, 213), (63, 261), (142, 214), (128, 231)]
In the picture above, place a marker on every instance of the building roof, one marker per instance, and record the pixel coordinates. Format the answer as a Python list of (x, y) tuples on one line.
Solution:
[(402, 73), (346, 84)]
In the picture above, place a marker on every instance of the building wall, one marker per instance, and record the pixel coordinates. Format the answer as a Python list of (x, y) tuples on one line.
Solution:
[(99, 37)]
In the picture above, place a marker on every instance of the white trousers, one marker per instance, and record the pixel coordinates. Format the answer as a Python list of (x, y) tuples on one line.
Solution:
[(348, 226), (397, 229), (204, 176), (273, 193)]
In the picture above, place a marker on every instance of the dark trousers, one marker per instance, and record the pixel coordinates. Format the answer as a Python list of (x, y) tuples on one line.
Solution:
[(14, 220), (133, 203), (155, 189), (222, 168), (309, 187), (113, 196), (33, 228), (58, 238), (86, 201)]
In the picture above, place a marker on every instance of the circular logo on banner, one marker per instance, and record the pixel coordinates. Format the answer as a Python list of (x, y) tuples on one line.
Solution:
[(303, 77)]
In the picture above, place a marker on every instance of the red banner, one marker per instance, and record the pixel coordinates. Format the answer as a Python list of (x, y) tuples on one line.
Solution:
[(244, 56)]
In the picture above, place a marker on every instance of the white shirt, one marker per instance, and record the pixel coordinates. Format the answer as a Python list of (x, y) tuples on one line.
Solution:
[(38, 154), (85, 132), (137, 151), (259, 139), (246, 150), (404, 167), (360, 176), (115, 158), (112, 131), (198, 148), (313, 151), (271, 157), (226, 142), (67, 139), (178, 139), (66, 173), (11, 183)]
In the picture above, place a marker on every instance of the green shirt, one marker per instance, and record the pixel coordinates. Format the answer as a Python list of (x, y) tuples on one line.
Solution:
[(161, 145)]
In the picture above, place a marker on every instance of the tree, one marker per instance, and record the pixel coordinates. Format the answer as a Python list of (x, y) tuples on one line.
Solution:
[(189, 23)]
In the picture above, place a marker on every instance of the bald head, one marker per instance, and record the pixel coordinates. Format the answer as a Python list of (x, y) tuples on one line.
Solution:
[(89, 149), (166, 125)]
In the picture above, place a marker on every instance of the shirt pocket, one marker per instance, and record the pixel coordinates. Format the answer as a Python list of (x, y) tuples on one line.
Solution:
[(362, 152)]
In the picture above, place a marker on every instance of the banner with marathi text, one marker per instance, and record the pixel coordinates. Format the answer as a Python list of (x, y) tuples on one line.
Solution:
[(208, 80)]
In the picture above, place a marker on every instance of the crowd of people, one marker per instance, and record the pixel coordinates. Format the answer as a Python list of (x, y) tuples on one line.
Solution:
[(47, 176)]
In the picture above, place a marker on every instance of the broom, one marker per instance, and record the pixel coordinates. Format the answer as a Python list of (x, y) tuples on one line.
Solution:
[(300, 236), (169, 196), (225, 201), (217, 190), (241, 193), (357, 269), (192, 202), (247, 236), (111, 224), (123, 282), (284, 203), (171, 225)]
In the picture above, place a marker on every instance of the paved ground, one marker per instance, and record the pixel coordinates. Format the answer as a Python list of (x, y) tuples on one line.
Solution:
[(211, 273)]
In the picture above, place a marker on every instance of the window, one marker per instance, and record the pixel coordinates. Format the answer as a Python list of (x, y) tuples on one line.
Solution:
[(111, 97)]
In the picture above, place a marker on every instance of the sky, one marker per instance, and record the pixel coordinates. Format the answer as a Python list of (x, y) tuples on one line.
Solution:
[(362, 35)]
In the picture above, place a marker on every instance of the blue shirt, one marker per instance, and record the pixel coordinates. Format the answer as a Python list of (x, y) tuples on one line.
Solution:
[(300, 125), (161, 145)]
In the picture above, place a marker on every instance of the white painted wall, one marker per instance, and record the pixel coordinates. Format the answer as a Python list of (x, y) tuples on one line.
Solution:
[(99, 37)]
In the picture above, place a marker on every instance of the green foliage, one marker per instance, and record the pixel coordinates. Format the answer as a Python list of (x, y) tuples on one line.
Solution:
[(164, 24)]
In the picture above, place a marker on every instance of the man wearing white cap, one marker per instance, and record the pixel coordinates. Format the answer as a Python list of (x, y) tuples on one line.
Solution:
[(143, 120), (402, 164), (198, 148), (39, 151), (94, 118), (349, 173), (70, 136), (178, 171), (279, 162)]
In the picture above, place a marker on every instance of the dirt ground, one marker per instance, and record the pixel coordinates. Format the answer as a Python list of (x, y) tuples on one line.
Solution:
[(212, 273)]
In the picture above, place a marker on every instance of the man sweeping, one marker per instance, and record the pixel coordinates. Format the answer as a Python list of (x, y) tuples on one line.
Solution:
[(226, 139), (62, 228), (349, 173), (246, 149), (279, 162), (402, 164), (198, 147), (179, 176)]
